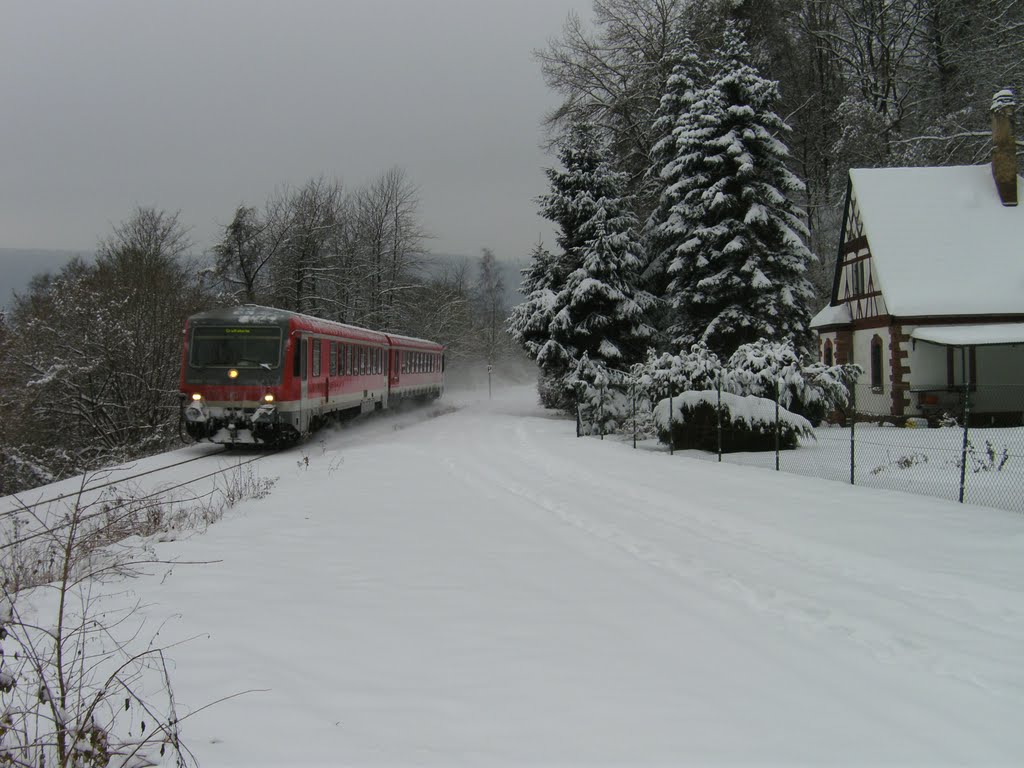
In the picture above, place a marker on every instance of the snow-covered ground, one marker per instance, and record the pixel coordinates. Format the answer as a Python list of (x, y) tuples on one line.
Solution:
[(482, 588)]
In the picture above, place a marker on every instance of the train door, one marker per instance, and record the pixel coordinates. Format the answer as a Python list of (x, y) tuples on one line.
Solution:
[(304, 378), (393, 368)]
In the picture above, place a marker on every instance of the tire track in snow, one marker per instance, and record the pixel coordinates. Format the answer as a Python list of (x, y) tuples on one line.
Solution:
[(790, 608)]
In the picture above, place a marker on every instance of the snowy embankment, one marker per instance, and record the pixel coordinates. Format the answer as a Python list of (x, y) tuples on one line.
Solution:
[(482, 588)]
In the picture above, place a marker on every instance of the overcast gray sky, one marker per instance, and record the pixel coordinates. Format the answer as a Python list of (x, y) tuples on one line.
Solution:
[(199, 105)]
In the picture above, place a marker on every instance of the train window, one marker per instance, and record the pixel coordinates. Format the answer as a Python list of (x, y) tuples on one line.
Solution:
[(362, 361), (332, 368), (404, 362), (380, 362), (242, 346), (315, 346)]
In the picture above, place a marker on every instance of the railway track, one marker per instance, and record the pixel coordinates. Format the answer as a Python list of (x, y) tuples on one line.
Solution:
[(38, 520), (22, 507)]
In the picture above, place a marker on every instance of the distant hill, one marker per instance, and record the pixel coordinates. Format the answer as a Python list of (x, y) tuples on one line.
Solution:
[(510, 271), (19, 265)]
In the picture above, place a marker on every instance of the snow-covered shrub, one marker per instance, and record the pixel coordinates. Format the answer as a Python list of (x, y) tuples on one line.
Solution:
[(986, 459), (748, 423), (80, 687), (700, 368), (812, 390), (603, 396), (554, 394)]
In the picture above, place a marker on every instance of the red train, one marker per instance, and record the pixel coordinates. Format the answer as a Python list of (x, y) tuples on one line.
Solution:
[(259, 375)]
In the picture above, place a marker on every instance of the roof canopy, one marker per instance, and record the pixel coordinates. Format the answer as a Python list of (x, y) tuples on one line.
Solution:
[(971, 335), (942, 242)]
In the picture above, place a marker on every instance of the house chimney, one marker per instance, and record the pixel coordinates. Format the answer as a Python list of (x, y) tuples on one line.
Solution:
[(1004, 150)]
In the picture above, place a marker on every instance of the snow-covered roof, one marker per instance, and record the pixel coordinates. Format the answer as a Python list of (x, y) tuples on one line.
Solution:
[(832, 315), (942, 242), (979, 334)]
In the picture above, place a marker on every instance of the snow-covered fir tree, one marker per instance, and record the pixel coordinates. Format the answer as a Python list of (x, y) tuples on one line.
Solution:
[(575, 191), (601, 313), (671, 129), (584, 300), (731, 234), (528, 322)]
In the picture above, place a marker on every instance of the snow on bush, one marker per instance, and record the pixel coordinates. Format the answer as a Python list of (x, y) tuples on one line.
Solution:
[(603, 395), (813, 390), (748, 422)]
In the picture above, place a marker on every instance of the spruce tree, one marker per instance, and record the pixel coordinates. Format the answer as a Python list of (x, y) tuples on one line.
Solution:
[(528, 322), (732, 236), (584, 299), (574, 195), (601, 312), (671, 130)]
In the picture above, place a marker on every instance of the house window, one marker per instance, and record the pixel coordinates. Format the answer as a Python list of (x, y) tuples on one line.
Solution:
[(828, 356), (876, 363), (859, 285)]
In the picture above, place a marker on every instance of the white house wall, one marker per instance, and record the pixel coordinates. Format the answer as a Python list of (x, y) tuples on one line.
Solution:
[(870, 400)]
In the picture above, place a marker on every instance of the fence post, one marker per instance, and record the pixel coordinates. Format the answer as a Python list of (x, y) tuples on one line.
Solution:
[(671, 440), (853, 432), (967, 416), (777, 396), (634, 414), (579, 419), (719, 417)]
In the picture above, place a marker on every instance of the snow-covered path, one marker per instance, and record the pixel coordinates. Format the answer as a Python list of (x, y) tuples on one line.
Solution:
[(482, 588)]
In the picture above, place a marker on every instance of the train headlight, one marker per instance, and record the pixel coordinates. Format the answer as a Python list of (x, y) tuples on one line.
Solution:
[(196, 396), (268, 398), (232, 374)]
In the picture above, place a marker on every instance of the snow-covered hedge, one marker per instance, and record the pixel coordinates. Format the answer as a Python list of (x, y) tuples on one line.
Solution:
[(748, 423)]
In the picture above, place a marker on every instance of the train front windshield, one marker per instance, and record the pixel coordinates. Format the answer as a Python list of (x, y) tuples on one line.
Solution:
[(235, 347)]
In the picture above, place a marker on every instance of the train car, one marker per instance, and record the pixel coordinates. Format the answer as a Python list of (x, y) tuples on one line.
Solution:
[(258, 375), (417, 369)]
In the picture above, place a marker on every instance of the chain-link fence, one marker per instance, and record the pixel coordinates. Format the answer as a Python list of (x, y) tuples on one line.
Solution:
[(966, 444)]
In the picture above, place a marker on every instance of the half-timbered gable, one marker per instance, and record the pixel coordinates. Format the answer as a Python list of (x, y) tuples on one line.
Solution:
[(857, 285)]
